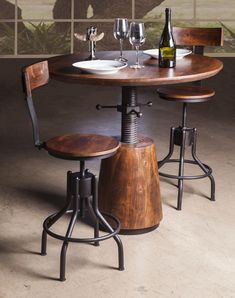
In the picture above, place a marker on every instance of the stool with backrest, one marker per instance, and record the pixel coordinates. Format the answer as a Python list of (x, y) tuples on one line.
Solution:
[(183, 136), (82, 186)]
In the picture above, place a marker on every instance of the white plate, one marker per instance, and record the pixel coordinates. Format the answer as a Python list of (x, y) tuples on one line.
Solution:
[(100, 66), (180, 53)]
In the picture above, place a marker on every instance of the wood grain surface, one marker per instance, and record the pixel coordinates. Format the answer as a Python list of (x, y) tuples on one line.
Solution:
[(198, 36), (82, 145), (129, 186), (186, 93), (191, 68), (36, 75)]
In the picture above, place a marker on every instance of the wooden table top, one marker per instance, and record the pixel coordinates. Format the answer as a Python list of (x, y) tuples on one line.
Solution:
[(190, 68)]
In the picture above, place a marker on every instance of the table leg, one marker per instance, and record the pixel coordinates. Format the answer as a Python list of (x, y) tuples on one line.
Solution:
[(129, 181)]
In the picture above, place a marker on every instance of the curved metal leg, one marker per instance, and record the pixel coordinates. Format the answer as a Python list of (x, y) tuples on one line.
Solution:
[(105, 223), (44, 243), (68, 234), (82, 207), (95, 219), (69, 182), (57, 216), (181, 159), (63, 261), (171, 149), (54, 220), (212, 198), (60, 213), (201, 165), (181, 171)]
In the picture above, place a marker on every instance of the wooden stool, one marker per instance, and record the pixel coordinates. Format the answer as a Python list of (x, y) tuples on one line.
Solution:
[(82, 186), (197, 39), (184, 137)]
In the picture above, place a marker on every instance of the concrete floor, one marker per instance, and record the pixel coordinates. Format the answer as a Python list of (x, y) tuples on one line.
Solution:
[(191, 254)]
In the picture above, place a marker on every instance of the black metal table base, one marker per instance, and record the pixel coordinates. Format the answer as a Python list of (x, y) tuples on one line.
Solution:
[(185, 137), (82, 195)]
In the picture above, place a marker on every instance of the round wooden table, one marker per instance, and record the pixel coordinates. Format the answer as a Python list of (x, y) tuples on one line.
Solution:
[(129, 181)]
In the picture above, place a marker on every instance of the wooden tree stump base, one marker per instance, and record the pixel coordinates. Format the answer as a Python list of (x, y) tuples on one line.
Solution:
[(137, 203)]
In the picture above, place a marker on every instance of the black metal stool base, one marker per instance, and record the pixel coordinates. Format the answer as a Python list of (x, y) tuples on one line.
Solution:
[(82, 190), (185, 137)]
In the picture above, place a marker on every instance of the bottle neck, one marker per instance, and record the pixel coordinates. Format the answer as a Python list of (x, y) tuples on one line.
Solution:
[(168, 18)]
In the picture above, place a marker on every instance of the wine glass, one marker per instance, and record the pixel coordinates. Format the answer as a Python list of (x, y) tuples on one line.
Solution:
[(120, 32), (137, 38)]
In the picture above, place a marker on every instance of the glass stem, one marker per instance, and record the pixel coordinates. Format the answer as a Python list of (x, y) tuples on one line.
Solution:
[(121, 45), (137, 55)]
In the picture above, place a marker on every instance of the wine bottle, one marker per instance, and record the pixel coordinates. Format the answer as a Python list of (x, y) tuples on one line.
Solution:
[(167, 47)]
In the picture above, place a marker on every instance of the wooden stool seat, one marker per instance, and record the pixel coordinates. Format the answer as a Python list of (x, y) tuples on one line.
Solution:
[(188, 94), (80, 146)]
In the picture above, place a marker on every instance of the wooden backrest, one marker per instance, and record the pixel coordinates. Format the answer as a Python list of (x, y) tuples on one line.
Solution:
[(198, 37), (35, 76)]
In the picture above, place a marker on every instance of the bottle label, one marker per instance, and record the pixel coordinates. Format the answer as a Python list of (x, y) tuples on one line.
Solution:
[(167, 53)]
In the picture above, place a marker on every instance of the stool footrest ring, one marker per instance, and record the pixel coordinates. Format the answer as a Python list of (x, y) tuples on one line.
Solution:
[(190, 177), (81, 240)]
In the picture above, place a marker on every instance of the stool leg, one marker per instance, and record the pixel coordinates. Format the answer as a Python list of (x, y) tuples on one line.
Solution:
[(58, 215), (69, 176), (204, 169), (95, 219), (96, 231), (44, 243), (63, 261), (54, 220), (181, 171), (181, 159), (212, 198), (82, 207), (106, 224), (68, 234), (171, 149)]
